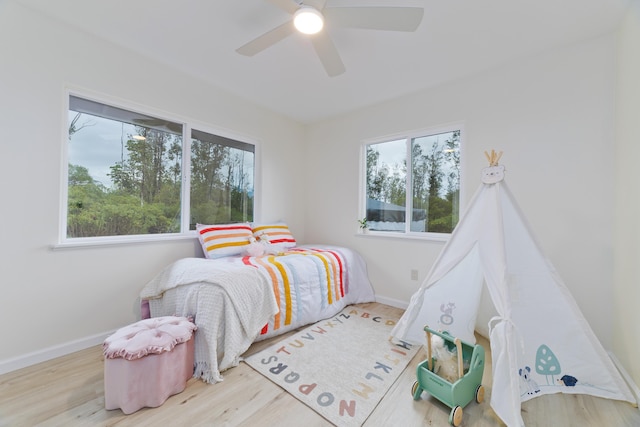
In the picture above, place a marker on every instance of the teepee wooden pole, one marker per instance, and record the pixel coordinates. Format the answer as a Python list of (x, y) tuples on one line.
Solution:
[(488, 157), (493, 158)]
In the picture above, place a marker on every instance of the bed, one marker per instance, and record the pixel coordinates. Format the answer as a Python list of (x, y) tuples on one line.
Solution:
[(236, 299)]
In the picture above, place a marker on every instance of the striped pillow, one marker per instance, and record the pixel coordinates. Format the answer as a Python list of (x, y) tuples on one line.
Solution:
[(278, 234), (222, 240)]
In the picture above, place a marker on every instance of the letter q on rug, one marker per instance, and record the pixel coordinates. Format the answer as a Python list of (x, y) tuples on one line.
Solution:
[(340, 367)]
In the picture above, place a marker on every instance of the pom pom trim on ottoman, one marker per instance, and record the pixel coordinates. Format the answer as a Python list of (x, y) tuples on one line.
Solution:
[(147, 362)]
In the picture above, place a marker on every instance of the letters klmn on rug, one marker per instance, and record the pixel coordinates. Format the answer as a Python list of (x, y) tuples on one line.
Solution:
[(340, 367)]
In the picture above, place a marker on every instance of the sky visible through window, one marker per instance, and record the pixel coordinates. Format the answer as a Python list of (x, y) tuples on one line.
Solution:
[(393, 156), (98, 144)]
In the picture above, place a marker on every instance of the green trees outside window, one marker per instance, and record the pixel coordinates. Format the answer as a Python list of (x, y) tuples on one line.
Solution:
[(430, 191), (222, 172), (126, 174)]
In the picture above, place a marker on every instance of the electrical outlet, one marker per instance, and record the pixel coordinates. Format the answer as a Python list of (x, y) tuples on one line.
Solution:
[(414, 274)]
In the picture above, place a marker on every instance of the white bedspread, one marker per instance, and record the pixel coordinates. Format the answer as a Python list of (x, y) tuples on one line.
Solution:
[(229, 305), (238, 300)]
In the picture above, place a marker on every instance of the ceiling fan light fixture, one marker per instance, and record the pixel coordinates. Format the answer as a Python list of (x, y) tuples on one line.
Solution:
[(308, 20)]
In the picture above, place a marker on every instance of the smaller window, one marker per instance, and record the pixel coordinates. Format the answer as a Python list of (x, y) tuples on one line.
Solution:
[(222, 172), (419, 174)]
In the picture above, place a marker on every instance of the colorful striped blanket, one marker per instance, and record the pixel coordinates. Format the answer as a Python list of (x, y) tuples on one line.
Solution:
[(321, 270), (309, 284)]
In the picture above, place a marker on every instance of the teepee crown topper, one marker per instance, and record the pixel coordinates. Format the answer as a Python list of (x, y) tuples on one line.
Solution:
[(495, 172)]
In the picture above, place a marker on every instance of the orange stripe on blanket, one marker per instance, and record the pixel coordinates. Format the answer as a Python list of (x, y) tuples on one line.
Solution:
[(338, 271), (287, 289), (276, 291), (246, 260), (336, 279), (340, 279)]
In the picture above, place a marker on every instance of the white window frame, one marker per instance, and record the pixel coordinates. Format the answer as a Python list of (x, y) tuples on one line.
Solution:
[(187, 126), (408, 137)]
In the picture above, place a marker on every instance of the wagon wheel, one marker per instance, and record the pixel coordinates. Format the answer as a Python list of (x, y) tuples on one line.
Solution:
[(480, 394), (414, 390), (455, 417)]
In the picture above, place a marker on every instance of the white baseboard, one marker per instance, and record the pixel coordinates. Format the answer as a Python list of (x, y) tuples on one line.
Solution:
[(392, 302), (13, 364)]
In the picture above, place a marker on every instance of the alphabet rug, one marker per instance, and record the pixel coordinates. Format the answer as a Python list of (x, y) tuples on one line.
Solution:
[(340, 367)]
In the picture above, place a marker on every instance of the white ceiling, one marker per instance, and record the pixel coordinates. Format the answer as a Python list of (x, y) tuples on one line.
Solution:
[(456, 38)]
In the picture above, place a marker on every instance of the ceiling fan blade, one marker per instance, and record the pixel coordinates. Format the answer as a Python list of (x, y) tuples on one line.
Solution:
[(289, 6), (318, 4), (266, 40), (328, 54), (375, 18)]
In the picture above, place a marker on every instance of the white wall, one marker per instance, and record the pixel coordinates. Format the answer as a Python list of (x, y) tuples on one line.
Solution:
[(70, 297), (552, 115), (626, 328)]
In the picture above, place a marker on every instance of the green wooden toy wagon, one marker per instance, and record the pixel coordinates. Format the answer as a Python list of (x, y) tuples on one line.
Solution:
[(467, 387)]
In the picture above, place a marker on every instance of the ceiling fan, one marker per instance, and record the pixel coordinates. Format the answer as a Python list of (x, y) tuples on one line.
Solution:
[(315, 14)]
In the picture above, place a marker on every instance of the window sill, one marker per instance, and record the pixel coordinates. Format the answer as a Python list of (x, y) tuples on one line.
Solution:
[(431, 237), (89, 242)]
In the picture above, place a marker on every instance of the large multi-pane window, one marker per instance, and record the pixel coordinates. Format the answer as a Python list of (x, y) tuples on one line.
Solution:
[(419, 174), (127, 174)]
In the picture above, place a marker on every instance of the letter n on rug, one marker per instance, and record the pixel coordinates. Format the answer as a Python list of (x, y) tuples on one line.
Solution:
[(340, 367)]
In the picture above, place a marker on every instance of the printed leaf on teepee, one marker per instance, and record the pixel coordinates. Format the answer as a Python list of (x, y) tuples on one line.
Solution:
[(546, 362)]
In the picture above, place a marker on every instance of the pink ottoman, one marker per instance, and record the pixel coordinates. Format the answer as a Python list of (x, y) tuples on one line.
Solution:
[(147, 362)]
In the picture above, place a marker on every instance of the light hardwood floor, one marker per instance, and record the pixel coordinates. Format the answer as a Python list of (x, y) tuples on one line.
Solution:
[(68, 391)]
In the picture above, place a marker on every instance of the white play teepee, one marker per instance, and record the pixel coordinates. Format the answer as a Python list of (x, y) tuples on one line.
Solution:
[(540, 341)]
